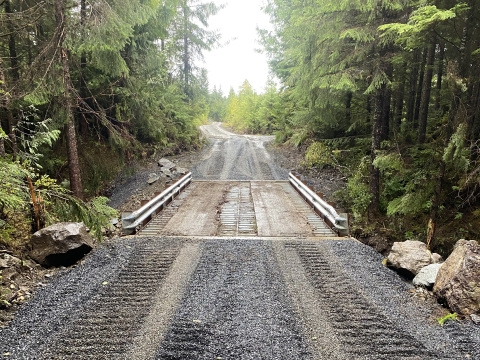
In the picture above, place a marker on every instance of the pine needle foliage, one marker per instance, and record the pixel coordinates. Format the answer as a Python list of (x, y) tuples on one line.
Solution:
[(400, 77)]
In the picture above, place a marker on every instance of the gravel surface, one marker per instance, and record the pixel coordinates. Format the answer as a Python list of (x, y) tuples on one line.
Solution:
[(236, 157), (235, 307), (179, 298)]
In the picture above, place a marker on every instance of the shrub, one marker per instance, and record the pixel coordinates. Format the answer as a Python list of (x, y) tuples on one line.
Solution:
[(319, 155)]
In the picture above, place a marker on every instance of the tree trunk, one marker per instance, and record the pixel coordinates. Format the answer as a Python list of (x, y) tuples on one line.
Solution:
[(83, 56), (368, 108), (73, 160), (376, 141), (12, 49), (441, 57), (412, 89), (386, 102), (82, 76), (425, 101), (475, 109), (437, 196), (418, 92), (3, 101), (348, 107), (399, 97)]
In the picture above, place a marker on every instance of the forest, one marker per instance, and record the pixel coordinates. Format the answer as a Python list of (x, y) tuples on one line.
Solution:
[(385, 92), (87, 86)]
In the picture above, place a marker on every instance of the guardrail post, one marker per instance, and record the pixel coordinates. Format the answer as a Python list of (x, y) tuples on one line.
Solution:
[(127, 222)]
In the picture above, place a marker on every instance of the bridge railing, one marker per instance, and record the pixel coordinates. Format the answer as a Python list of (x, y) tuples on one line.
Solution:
[(338, 223), (133, 220)]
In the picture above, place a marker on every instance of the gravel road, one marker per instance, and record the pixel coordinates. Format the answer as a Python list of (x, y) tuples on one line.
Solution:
[(179, 298), (236, 157), (198, 297)]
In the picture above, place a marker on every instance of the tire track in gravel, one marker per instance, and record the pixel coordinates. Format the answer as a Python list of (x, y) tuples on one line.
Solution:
[(236, 157), (362, 328), (54, 305), (114, 315), (454, 340), (156, 323)]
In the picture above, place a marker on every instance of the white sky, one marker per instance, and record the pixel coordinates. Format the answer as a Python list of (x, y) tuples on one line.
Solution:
[(230, 65)]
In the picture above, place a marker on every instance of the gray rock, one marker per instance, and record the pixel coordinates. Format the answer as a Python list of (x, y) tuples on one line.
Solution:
[(152, 178), (166, 172), (166, 164), (409, 256), (437, 258), (426, 276), (458, 281), (181, 171), (475, 318), (7, 261), (61, 244)]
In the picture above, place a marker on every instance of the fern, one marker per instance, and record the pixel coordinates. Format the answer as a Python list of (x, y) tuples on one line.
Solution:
[(96, 214)]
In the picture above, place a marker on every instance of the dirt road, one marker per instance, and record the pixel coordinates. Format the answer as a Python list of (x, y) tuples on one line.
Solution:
[(220, 281), (236, 157)]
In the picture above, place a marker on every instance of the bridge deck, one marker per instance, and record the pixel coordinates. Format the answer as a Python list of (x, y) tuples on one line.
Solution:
[(238, 208)]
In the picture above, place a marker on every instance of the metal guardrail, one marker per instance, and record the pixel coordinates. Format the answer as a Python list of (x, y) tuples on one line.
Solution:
[(338, 223), (131, 222)]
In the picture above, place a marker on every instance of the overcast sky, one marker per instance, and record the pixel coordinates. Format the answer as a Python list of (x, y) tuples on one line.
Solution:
[(230, 65)]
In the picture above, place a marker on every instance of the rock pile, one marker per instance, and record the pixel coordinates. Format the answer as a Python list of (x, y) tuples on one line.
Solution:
[(410, 256), (168, 169), (427, 276), (16, 276), (456, 282)]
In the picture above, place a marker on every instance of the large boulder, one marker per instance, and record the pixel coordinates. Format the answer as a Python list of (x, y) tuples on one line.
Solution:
[(61, 244), (409, 257), (458, 281), (427, 276)]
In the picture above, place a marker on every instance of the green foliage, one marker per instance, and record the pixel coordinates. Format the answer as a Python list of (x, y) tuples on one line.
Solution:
[(357, 191), (422, 21), (448, 317), (95, 214), (298, 137), (318, 155), (255, 113), (456, 153), (388, 162), (408, 186), (13, 193)]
